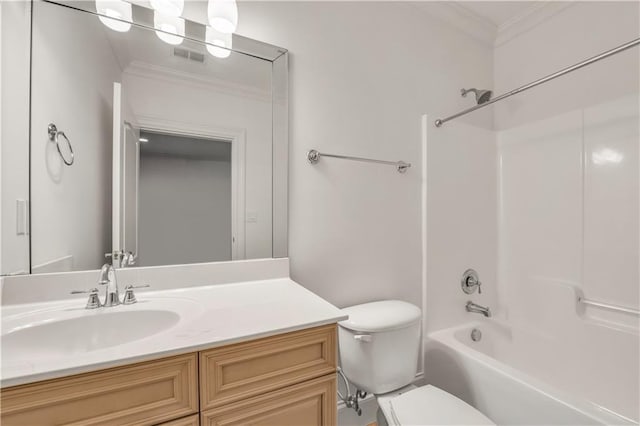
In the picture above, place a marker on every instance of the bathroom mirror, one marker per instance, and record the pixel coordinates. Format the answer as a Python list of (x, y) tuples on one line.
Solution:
[(166, 149)]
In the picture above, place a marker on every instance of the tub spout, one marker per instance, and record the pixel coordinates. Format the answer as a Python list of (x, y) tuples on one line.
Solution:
[(478, 309)]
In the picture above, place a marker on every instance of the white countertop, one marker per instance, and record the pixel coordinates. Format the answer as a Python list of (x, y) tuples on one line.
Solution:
[(211, 316)]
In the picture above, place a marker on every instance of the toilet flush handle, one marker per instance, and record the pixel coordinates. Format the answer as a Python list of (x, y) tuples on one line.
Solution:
[(363, 337)]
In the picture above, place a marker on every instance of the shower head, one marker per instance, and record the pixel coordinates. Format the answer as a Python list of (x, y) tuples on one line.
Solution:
[(482, 96)]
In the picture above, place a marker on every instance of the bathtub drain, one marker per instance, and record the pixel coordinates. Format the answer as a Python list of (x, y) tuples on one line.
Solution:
[(476, 335)]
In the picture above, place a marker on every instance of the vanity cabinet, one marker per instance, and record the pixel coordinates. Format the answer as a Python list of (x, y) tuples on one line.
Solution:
[(287, 379), (308, 403)]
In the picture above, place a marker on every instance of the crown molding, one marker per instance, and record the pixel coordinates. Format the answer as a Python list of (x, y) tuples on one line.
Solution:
[(529, 19), (482, 29), (170, 75), (462, 19)]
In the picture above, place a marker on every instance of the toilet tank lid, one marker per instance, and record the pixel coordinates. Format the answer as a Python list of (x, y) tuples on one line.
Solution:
[(384, 315)]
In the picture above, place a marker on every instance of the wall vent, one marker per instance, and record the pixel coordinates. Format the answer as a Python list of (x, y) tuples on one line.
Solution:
[(188, 54)]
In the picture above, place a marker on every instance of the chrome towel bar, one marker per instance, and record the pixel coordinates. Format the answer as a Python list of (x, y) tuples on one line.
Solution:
[(611, 307), (314, 156)]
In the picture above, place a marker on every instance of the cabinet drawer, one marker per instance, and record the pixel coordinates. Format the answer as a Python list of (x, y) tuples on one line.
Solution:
[(145, 393), (312, 403), (243, 370)]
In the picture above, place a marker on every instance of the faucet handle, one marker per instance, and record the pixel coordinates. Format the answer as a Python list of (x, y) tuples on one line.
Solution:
[(129, 297), (94, 300), (470, 281)]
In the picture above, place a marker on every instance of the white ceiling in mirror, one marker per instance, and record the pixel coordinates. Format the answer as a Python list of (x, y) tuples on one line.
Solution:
[(140, 48)]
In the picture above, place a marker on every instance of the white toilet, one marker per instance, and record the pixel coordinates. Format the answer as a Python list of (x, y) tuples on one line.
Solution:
[(379, 346)]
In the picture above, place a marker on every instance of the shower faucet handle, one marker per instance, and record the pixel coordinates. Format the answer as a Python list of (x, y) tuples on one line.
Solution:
[(470, 281)]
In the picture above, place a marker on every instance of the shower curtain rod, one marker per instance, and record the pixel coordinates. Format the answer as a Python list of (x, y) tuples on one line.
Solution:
[(439, 122)]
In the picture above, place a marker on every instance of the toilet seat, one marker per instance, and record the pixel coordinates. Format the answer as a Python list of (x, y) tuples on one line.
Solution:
[(429, 405)]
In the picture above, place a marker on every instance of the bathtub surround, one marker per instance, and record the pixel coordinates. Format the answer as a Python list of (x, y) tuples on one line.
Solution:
[(580, 221), (567, 226)]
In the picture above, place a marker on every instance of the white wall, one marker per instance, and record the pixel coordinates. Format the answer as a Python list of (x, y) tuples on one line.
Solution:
[(72, 86), (185, 210), (358, 87), (577, 32), (199, 106), (14, 134)]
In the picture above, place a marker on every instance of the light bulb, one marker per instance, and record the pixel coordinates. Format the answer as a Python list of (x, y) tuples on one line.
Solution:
[(223, 15), (169, 29), (117, 9), (168, 7), (218, 44)]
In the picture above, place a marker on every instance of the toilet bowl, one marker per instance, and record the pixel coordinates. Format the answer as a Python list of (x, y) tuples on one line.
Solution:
[(379, 346)]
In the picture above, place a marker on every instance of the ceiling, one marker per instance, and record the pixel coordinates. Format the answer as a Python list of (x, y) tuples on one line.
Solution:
[(493, 22), (500, 13), (141, 46), (184, 147)]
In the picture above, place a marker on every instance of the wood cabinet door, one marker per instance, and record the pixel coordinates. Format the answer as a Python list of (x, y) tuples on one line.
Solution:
[(311, 403), (139, 394), (240, 371)]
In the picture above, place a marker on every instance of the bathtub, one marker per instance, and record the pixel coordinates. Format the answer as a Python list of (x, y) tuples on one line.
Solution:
[(515, 376)]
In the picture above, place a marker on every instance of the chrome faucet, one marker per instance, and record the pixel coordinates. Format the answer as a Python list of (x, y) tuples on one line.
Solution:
[(478, 309), (108, 277)]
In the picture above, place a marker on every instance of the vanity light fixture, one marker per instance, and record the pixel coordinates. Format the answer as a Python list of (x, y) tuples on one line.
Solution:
[(168, 7), (169, 29), (118, 9), (223, 15), (218, 44)]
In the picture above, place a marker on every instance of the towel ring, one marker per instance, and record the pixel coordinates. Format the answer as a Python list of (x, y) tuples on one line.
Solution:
[(54, 136)]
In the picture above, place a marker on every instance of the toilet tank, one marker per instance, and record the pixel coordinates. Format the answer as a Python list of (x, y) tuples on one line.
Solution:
[(379, 345)]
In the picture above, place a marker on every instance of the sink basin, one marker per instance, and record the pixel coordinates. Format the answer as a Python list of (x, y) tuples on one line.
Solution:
[(92, 331)]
